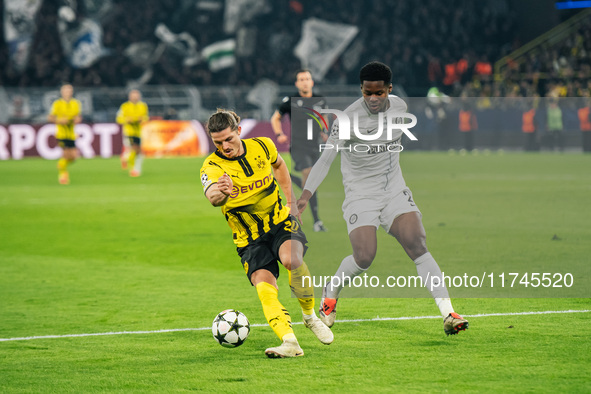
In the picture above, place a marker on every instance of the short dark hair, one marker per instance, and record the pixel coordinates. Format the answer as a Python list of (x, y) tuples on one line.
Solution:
[(221, 120), (301, 70), (375, 71)]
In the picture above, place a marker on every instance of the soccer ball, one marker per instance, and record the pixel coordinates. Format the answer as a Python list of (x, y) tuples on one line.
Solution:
[(230, 328)]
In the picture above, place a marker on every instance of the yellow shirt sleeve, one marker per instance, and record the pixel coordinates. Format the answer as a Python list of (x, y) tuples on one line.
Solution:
[(134, 111), (53, 110), (130, 110), (121, 115), (270, 145), (210, 173)]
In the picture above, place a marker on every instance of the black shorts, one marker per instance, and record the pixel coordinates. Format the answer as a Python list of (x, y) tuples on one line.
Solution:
[(135, 140), (66, 143), (263, 252), (304, 158)]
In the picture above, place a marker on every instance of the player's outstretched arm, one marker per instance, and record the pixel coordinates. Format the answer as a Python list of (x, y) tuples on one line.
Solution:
[(219, 193), (284, 179), (317, 175)]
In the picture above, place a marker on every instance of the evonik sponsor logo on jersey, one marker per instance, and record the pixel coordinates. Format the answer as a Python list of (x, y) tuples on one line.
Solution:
[(258, 184)]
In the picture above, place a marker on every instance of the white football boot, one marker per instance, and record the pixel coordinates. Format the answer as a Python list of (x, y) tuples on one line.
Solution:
[(289, 348), (321, 330)]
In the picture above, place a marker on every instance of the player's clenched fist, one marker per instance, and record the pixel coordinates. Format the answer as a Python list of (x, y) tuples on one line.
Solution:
[(225, 184)]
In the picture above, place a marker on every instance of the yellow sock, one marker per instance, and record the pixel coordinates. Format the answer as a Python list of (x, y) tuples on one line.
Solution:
[(300, 282), (131, 159), (276, 315), (62, 165)]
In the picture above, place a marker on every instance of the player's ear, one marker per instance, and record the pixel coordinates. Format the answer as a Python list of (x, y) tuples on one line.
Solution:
[(239, 130), (390, 89)]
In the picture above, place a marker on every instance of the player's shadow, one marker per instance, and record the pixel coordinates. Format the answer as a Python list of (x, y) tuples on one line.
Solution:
[(433, 343)]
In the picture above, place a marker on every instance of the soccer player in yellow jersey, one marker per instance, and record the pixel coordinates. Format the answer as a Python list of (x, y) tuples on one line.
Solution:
[(131, 115), (242, 177), (65, 113)]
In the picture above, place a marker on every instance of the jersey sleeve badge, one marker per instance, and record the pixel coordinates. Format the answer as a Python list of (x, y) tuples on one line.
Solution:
[(205, 181)]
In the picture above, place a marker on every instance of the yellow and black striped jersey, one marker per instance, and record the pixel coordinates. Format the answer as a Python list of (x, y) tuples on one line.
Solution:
[(255, 205), (69, 110), (138, 111)]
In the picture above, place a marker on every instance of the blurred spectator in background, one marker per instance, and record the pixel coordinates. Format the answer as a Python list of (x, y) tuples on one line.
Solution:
[(265, 35), (452, 45), (483, 69), (585, 123), (170, 114), (528, 125), (554, 126), (467, 124), (20, 110)]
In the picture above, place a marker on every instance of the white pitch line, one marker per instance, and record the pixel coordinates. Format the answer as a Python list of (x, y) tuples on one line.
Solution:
[(98, 334)]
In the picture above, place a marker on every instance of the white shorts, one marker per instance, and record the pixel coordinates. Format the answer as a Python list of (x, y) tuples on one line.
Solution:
[(379, 210)]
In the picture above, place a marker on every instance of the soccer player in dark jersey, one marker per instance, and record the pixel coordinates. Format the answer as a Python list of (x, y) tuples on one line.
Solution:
[(304, 152), (243, 178)]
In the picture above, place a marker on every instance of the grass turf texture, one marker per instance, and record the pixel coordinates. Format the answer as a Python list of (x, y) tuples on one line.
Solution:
[(111, 253)]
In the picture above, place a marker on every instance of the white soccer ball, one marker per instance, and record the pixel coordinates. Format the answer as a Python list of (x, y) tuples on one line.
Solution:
[(230, 328)]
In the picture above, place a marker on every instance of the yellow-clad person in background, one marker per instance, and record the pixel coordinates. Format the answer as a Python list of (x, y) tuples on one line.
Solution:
[(131, 115), (65, 113)]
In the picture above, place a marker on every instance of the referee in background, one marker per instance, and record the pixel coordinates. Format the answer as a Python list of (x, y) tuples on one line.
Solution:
[(304, 152)]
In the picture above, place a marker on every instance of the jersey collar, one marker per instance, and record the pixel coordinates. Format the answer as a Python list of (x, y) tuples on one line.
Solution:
[(221, 155)]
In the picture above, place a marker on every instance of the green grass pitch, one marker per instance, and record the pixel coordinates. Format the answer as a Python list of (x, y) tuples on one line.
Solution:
[(110, 253)]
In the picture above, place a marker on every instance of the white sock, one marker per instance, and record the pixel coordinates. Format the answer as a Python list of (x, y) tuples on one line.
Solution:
[(308, 317), (427, 268), (444, 305), (346, 272), (138, 162), (289, 337)]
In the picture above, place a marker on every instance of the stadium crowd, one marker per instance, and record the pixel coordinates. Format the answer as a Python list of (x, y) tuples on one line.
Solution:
[(427, 43), (413, 37), (562, 70)]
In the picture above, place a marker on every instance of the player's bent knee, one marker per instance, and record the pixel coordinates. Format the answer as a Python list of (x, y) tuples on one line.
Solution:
[(286, 259), (291, 255), (291, 262), (364, 257), (287, 264), (415, 247), (263, 275)]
